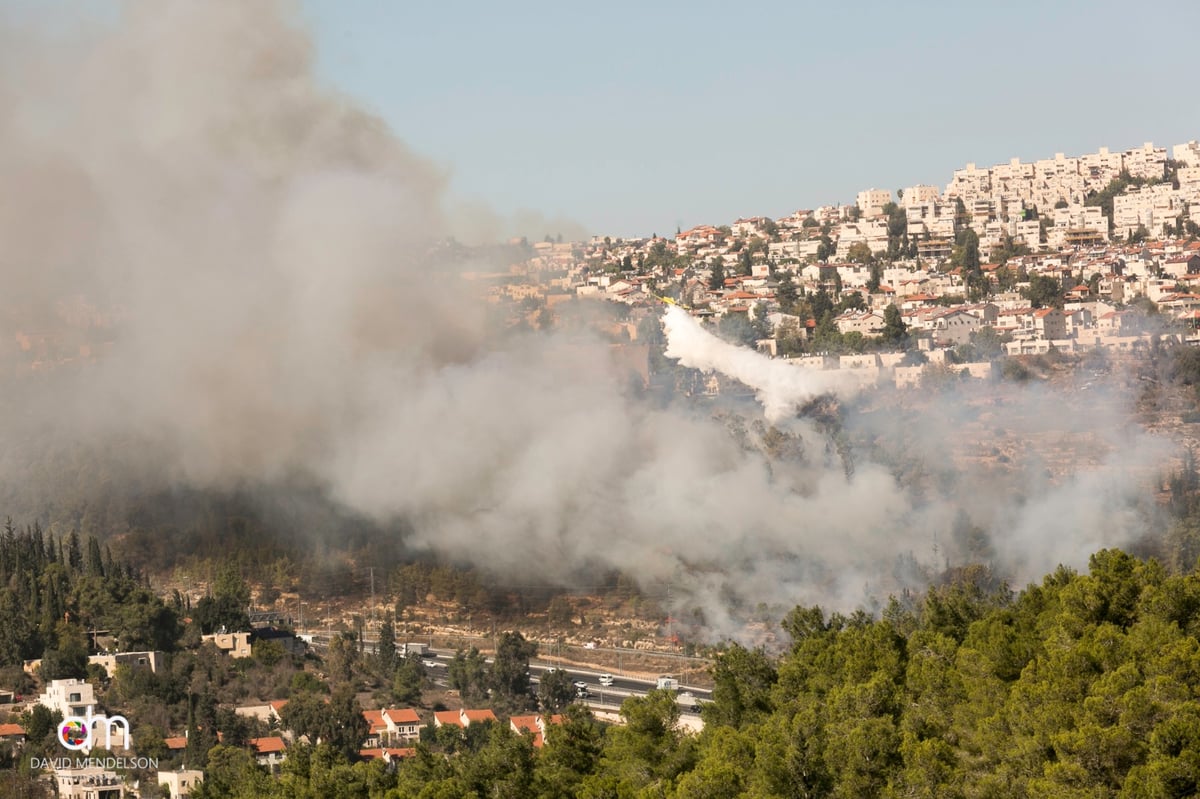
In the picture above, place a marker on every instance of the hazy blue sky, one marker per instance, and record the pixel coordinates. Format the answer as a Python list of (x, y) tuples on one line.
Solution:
[(635, 117)]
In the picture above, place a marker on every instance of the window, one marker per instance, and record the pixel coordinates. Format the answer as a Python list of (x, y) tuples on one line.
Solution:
[(75, 698)]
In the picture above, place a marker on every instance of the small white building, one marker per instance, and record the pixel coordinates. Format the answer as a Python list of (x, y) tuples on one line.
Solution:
[(181, 783), (69, 697), (134, 660), (89, 783), (236, 645)]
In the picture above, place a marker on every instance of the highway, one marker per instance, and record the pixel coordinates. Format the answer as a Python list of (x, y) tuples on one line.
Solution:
[(608, 697)]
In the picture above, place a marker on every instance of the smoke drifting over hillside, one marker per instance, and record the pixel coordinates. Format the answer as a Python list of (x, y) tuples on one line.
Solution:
[(779, 386), (280, 319)]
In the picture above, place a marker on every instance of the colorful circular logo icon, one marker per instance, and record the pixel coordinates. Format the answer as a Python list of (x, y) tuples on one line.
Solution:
[(73, 734)]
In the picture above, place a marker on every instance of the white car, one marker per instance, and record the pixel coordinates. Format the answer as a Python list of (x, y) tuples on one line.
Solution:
[(580, 685), (430, 664), (606, 679)]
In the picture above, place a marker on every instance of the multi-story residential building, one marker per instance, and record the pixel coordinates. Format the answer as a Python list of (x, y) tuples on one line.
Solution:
[(1187, 153), (1102, 165), (1028, 233), (1146, 161), (69, 697), (920, 195), (1078, 225), (1050, 324), (868, 323), (794, 249), (751, 226), (871, 202)]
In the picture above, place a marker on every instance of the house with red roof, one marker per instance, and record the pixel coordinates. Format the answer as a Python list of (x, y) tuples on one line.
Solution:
[(266, 712), (1050, 324), (269, 751), (13, 733), (534, 724), (470, 717), (402, 723), (386, 754), (390, 725), (447, 718), (1181, 265), (462, 718)]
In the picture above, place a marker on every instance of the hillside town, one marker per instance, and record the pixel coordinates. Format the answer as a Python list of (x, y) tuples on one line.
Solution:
[(1066, 253)]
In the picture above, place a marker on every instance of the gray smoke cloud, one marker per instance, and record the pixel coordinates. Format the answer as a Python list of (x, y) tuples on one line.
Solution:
[(237, 262)]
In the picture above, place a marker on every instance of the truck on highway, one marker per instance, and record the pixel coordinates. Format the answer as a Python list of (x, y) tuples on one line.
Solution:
[(667, 683), (688, 701)]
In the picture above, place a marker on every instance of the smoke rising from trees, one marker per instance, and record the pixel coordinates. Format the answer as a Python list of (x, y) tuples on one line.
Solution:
[(260, 255)]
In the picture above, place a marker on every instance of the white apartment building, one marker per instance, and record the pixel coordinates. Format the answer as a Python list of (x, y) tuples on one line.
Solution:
[(1074, 219), (794, 249), (1058, 166), (1188, 153), (1102, 165), (69, 697), (920, 195), (871, 202), (1146, 161), (1028, 233), (969, 182)]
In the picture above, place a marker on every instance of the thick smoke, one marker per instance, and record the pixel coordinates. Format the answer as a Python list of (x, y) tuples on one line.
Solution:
[(242, 266), (779, 385)]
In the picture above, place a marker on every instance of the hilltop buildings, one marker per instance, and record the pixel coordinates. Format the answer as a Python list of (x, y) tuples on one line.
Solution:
[(1058, 250)]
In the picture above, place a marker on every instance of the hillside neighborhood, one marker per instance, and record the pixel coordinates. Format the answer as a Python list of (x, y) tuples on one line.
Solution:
[(1098, 252), (1066, 253)]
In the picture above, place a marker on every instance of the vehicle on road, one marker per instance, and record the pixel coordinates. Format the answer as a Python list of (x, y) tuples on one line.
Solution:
[(606, 680), (667, 683), (431, 664), (688, 701)]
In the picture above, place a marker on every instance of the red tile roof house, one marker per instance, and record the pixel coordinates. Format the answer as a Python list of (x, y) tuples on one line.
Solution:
[(447, 718), (14, 733), (391, 725), (523, 724), (267, 712), (269, 752), (535, 724), (474, 716), (403, 723), (386, 754), (461, 718), (376, 729)]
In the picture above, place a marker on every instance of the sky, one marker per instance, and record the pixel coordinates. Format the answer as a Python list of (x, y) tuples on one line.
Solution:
[(636, 118)]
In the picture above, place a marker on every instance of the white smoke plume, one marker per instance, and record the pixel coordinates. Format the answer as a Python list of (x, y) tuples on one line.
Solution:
[(235, 262), (779, 385)]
